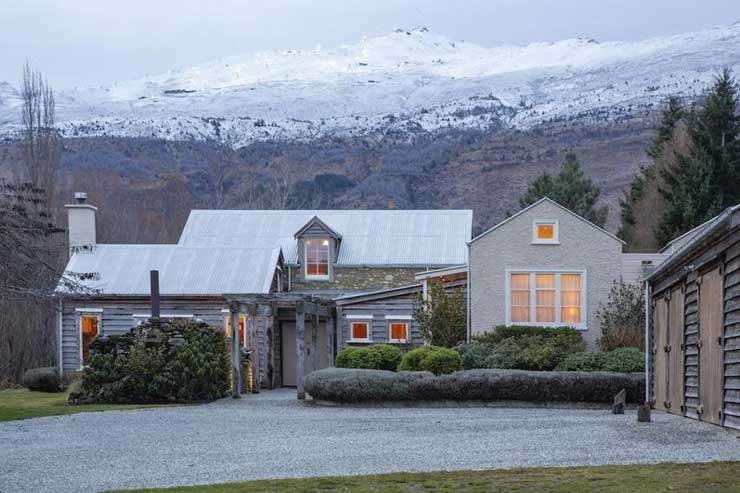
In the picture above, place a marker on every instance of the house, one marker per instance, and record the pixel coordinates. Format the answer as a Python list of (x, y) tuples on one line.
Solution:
[(281, 272), (693, 328), (547, 266)]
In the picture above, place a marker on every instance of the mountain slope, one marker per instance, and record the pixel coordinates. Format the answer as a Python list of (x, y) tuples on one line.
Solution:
[(408, 81)]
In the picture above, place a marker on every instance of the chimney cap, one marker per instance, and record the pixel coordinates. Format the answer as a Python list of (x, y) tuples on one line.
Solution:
[(80, 197)]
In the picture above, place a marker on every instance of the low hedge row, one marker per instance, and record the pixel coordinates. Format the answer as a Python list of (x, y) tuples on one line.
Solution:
[(434, 359), (348, 385), (42, 379), (375, 357), (625, 360)]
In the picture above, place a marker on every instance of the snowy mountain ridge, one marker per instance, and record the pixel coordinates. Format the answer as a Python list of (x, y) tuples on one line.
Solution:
[(406, 82)]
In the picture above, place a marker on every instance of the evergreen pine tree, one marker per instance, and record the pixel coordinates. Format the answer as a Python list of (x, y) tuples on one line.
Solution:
[(570, 188), (707, 178)]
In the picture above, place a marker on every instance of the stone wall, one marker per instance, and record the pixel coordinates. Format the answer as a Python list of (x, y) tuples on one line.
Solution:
[(358, 278)]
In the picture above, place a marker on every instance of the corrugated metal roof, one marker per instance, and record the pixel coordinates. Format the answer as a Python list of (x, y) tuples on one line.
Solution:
[(183, 270), (369, 237)]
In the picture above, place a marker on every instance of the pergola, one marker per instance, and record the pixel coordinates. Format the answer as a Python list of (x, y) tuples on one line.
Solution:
[(270, 306)]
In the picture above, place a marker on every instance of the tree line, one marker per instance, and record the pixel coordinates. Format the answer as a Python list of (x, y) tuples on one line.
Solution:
[(693, 172)]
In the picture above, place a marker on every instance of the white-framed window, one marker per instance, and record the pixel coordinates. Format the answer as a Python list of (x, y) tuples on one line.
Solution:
[(242, 329), (90, 322), (546, 298), (359, 331), (545, 232), (316, 254), (398, 331)]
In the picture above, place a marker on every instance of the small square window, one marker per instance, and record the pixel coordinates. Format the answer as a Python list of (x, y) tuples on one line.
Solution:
[(360, 331), (545, 232), (399, 331)]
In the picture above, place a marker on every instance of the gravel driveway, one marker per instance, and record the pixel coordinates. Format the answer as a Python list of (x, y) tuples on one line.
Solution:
[(271, 435)]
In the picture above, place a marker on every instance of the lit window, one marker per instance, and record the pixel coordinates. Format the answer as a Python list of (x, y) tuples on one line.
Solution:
[(570, 298), (545, 298), (317, 258), (360, 331), (242, 329), (399, 331), (90, 328), (545, 232)]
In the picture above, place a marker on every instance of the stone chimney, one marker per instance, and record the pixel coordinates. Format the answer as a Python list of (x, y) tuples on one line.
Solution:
[(80, 223)]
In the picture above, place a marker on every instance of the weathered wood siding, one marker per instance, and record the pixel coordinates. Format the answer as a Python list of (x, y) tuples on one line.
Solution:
[(731, 346), (401, 305), (711, 333)]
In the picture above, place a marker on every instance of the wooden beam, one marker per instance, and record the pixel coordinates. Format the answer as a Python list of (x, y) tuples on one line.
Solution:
[(339, 335), (300, 329), (236, 381), (315, 328), (331, 325)]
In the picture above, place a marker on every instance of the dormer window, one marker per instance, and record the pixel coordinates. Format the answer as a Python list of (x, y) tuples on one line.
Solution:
[(545, 232), (317, 258)]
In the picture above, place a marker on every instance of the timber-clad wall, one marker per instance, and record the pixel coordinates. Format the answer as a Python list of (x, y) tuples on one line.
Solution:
[(715, 268), (117, 318), (378, 309)]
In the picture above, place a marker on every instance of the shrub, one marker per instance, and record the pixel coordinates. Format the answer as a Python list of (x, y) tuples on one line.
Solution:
[(627, 359), (583, 361), (623, 317), (473, 355), (347, 385), (502, 332), (534, 351), (442, 361), (437, 360), (411, 361), (42, 379), (171, 361), (441, 319), (376, 357)]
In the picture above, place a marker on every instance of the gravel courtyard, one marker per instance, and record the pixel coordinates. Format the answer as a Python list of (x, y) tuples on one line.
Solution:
[(271, 435)]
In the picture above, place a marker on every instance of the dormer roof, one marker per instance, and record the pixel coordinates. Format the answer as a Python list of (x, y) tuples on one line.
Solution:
[(315, 225)]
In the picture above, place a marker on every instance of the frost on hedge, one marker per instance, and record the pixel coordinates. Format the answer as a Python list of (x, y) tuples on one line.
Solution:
[(348, 385)]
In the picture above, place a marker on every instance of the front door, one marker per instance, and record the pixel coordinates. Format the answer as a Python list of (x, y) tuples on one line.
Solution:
[(710, 352), (288, 353)]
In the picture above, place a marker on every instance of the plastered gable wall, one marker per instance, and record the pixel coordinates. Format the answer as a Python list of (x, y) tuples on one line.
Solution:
[(582, 247)]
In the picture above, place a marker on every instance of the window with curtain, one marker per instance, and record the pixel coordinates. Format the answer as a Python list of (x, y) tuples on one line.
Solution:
[(546, 298), (360, 331), (90, 328), (399, 331), (317, 257)]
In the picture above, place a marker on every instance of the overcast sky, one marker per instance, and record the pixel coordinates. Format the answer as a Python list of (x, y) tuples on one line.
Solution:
[(96, 42)]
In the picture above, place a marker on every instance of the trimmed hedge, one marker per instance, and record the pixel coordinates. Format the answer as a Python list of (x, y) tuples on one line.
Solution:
[(375, 357), (501, 332), (348, 385), (42, 379), (435, 359), (583, 362), (173, 361)]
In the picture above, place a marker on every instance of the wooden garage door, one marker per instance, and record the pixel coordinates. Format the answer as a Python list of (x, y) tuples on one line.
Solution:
[(674, 351), (710, 352), (660, 359)]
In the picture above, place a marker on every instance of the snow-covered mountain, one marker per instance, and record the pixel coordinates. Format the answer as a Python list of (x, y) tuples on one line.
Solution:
[(407, 81)]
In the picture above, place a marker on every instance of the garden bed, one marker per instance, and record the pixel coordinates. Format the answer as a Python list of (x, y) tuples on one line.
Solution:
[(474, 387)]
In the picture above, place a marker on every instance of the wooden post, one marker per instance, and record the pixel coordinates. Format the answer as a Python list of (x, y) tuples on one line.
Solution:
[(339, 335), (300, 329), (251, 333), (315, 342), (154, 290), (330, 328), (236, 381)]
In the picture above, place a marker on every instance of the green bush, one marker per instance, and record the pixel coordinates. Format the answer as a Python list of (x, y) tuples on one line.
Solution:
[(622, 360), (376, 357), (502, 332), (411, 361), (533, 350), (473, 355), (442, 361), (348, 385), (42, 380), (178, 361), (434, 359), (583, 361), (626, 359)]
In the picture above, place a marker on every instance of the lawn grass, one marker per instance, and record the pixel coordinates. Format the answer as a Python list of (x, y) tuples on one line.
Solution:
[(23, 404), (715, 477)]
